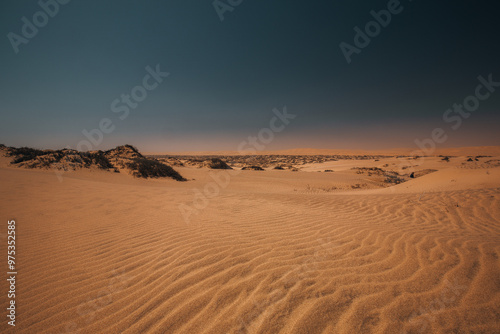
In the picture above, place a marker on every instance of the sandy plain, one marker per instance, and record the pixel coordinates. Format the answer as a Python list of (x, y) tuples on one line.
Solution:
[(270, 251)]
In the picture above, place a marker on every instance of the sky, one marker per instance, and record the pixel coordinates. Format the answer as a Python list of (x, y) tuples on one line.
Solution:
[(63, 84)]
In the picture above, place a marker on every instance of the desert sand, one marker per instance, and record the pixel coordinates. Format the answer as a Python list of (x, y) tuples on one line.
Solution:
[(271, 251)]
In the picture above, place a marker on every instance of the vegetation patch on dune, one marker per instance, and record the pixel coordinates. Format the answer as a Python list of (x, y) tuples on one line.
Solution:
[(22, 154), (252, 168), (217, 163), (423, 172), (144, 167), (100, 160), (126, 156), (34, 158), (389, 177)]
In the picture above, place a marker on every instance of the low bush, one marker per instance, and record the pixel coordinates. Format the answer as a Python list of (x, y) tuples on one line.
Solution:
[(24, 154), (393, 179), (100, 160), (144, 167), (252, 168), (217, 163)]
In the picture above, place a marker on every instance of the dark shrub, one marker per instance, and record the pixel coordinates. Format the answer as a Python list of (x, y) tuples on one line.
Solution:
[(133, 148), (58, 155), (100, 160), (393, 179), (144, 167), (252, 168), (216, 163), (24, 154)]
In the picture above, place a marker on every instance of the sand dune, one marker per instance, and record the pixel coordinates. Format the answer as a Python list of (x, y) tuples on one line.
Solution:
[(106, 253)]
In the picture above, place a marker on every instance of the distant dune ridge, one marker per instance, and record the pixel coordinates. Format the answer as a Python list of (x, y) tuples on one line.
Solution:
[(270, 251), (456, 151)]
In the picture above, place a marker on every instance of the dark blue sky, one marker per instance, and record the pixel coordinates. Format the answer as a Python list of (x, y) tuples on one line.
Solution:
[(227, 76)]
